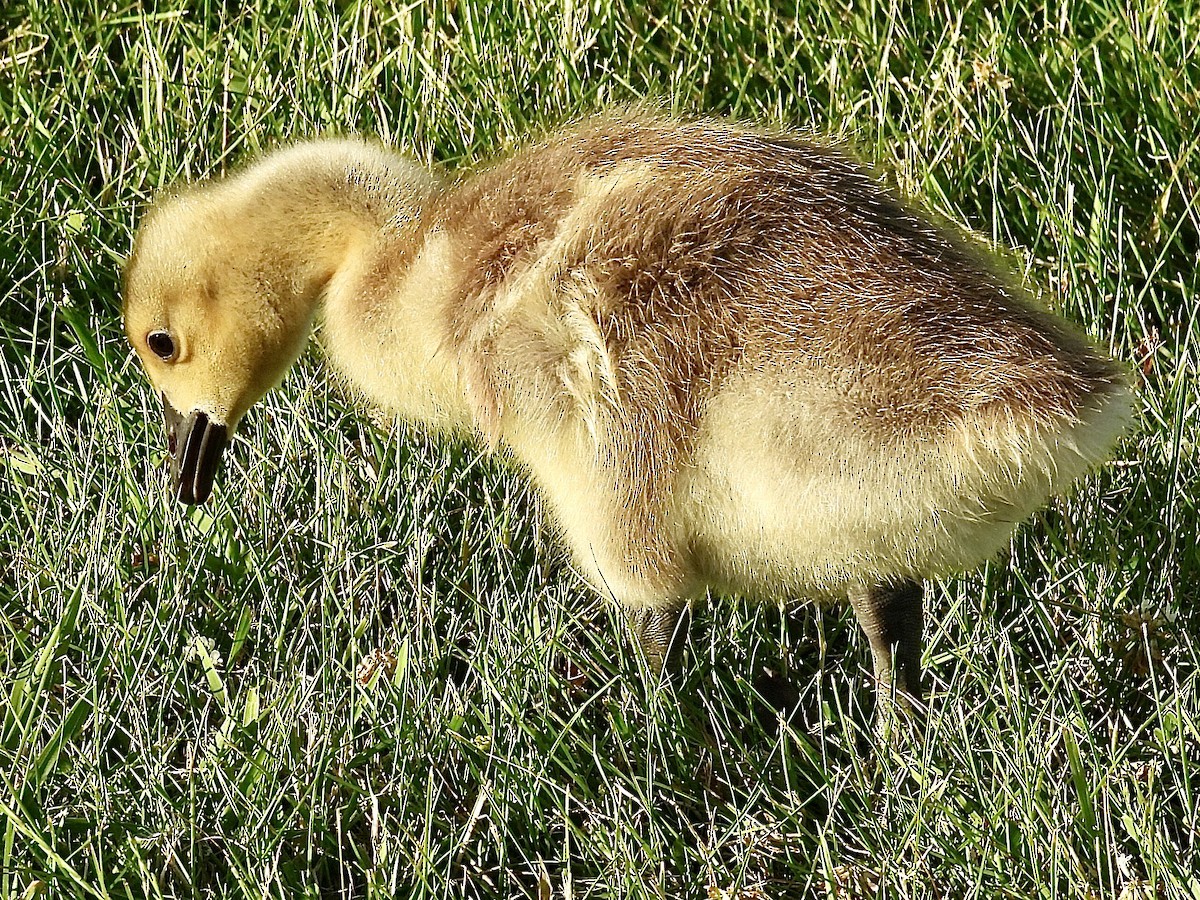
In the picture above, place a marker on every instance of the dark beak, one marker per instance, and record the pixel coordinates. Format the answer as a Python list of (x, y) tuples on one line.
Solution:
[(195, 444)]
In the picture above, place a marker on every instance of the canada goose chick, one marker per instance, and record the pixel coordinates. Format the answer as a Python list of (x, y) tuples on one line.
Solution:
[(728, 359)]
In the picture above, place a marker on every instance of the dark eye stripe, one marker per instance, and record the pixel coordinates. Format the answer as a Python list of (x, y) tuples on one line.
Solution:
[(161, 344)]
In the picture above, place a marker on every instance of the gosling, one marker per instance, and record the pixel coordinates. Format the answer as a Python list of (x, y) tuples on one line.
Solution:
[(729, 359)]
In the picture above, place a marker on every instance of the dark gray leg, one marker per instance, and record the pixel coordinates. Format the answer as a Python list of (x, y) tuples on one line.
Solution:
[(893, 618), (661, 633)]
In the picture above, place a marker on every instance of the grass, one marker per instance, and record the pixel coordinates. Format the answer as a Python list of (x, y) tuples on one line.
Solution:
[(364, 671)]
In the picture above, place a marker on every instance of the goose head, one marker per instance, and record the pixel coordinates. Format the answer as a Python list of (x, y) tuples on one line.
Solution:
[(216, 315), (226, 277)]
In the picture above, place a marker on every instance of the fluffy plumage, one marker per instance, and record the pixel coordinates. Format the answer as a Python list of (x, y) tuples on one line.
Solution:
[(727, 357)]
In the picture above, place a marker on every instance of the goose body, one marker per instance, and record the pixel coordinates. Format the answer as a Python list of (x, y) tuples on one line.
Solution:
[(728, 359)]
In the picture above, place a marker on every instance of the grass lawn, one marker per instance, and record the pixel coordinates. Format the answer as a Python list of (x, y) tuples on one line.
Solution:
[(364, 670)]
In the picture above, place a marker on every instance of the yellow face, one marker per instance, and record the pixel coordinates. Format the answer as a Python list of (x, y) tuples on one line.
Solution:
[(216, 323)]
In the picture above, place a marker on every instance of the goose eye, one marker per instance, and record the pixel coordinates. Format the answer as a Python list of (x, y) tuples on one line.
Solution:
[(161, 344)]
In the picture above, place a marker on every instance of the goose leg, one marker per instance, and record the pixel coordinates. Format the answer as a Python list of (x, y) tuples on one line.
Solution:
[(661, 633), (893, 619)]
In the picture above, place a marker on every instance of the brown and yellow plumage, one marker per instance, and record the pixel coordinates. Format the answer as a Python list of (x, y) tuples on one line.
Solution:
[(727, 357)]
